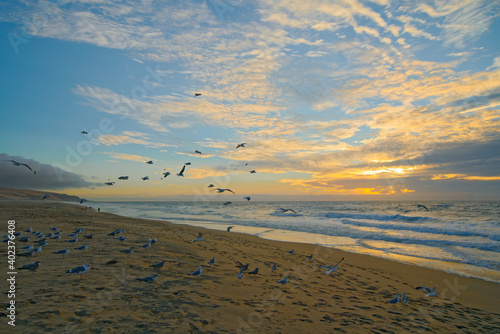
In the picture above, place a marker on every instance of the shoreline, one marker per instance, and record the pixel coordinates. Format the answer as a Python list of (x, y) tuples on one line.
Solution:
[(452, 267), (353, 298)]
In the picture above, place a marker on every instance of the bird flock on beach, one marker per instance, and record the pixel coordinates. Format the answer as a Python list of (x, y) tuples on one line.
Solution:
[(42, 239)]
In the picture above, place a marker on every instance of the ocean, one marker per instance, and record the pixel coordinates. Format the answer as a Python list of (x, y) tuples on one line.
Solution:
[(461, 237)]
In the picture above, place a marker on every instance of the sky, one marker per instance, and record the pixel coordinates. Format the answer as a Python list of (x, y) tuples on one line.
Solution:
[(335, 100)]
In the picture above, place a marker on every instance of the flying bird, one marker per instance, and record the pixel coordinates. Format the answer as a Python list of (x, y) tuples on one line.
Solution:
[(187, 163), (422, 206), (286, 210), (109, 183), (252, 171), (145, 178), (123, 178), (196, 151), (219, 190), (240, 145), (15, 163), (45, 196), (181, 173), (197, 94), (247, 198), (430, 293), (211, 185), (165, 174), (150, 162), (84, 133), (331, 269)]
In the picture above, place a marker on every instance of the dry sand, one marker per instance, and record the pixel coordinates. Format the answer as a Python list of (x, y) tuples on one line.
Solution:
[(110, 299)]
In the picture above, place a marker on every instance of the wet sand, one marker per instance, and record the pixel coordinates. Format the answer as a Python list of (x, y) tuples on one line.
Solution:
[(110, 299)]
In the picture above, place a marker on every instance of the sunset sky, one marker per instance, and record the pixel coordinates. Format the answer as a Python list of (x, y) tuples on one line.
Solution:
[(339, 99)]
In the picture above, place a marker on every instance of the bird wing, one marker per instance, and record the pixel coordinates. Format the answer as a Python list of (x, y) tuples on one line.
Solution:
[(424, 288)]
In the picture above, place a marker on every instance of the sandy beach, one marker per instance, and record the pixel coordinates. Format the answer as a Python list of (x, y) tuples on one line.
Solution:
[(110, 298)]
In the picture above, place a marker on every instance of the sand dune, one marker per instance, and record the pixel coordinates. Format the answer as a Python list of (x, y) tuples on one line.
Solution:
[(26, 194), (110, 299)]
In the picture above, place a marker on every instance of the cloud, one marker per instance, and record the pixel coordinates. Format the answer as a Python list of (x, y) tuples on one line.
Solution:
[(47, 177), (128, 157)]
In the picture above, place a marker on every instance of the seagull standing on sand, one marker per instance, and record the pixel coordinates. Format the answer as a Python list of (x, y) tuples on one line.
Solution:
[(430, 293), (32, 266), (254, 272), (149, 279), (240, 273), (212, 261), (127, 251), (199, 237), (79, 270), (82, 247), (158, 265), (273, 268), (283, 281), (15, 163), (62, 251), (404, 299), (196, 272), (394, 300), (146, 245)]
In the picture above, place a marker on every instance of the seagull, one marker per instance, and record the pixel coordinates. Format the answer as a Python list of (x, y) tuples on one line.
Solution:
[(242, 266), (165, 174), (109, 183), (153, 241), (72, 240), (123, 178), (127, 251), (284, 280), (32, 266), (196, 151), (26, 254), (247, 198), (29, 230), (62, 251), (79, 270), (181, 173), (394, 300), (146, 245), (219, 190), (158, 265), (422, 206), (84, 133), (404, 299), (291, 251), (197, 94), (229, 228), (149, 279), (199, 237), (253, 171), (331, 269), (212, 261), (254, 272), (211, 185), (430, 293), (117, 231), (240, 274), (309, 256), (196, 272), (227, 203), (286, 210), (150, 162), (145, 178), (45, 196), (240, 145), (273, 268), (15, 163), (187, 164), (82, 247), (90, 236), (26, 238), (121, 238)]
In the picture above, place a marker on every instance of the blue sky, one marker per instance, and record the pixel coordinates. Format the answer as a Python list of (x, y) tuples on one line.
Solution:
[(350, 99)]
